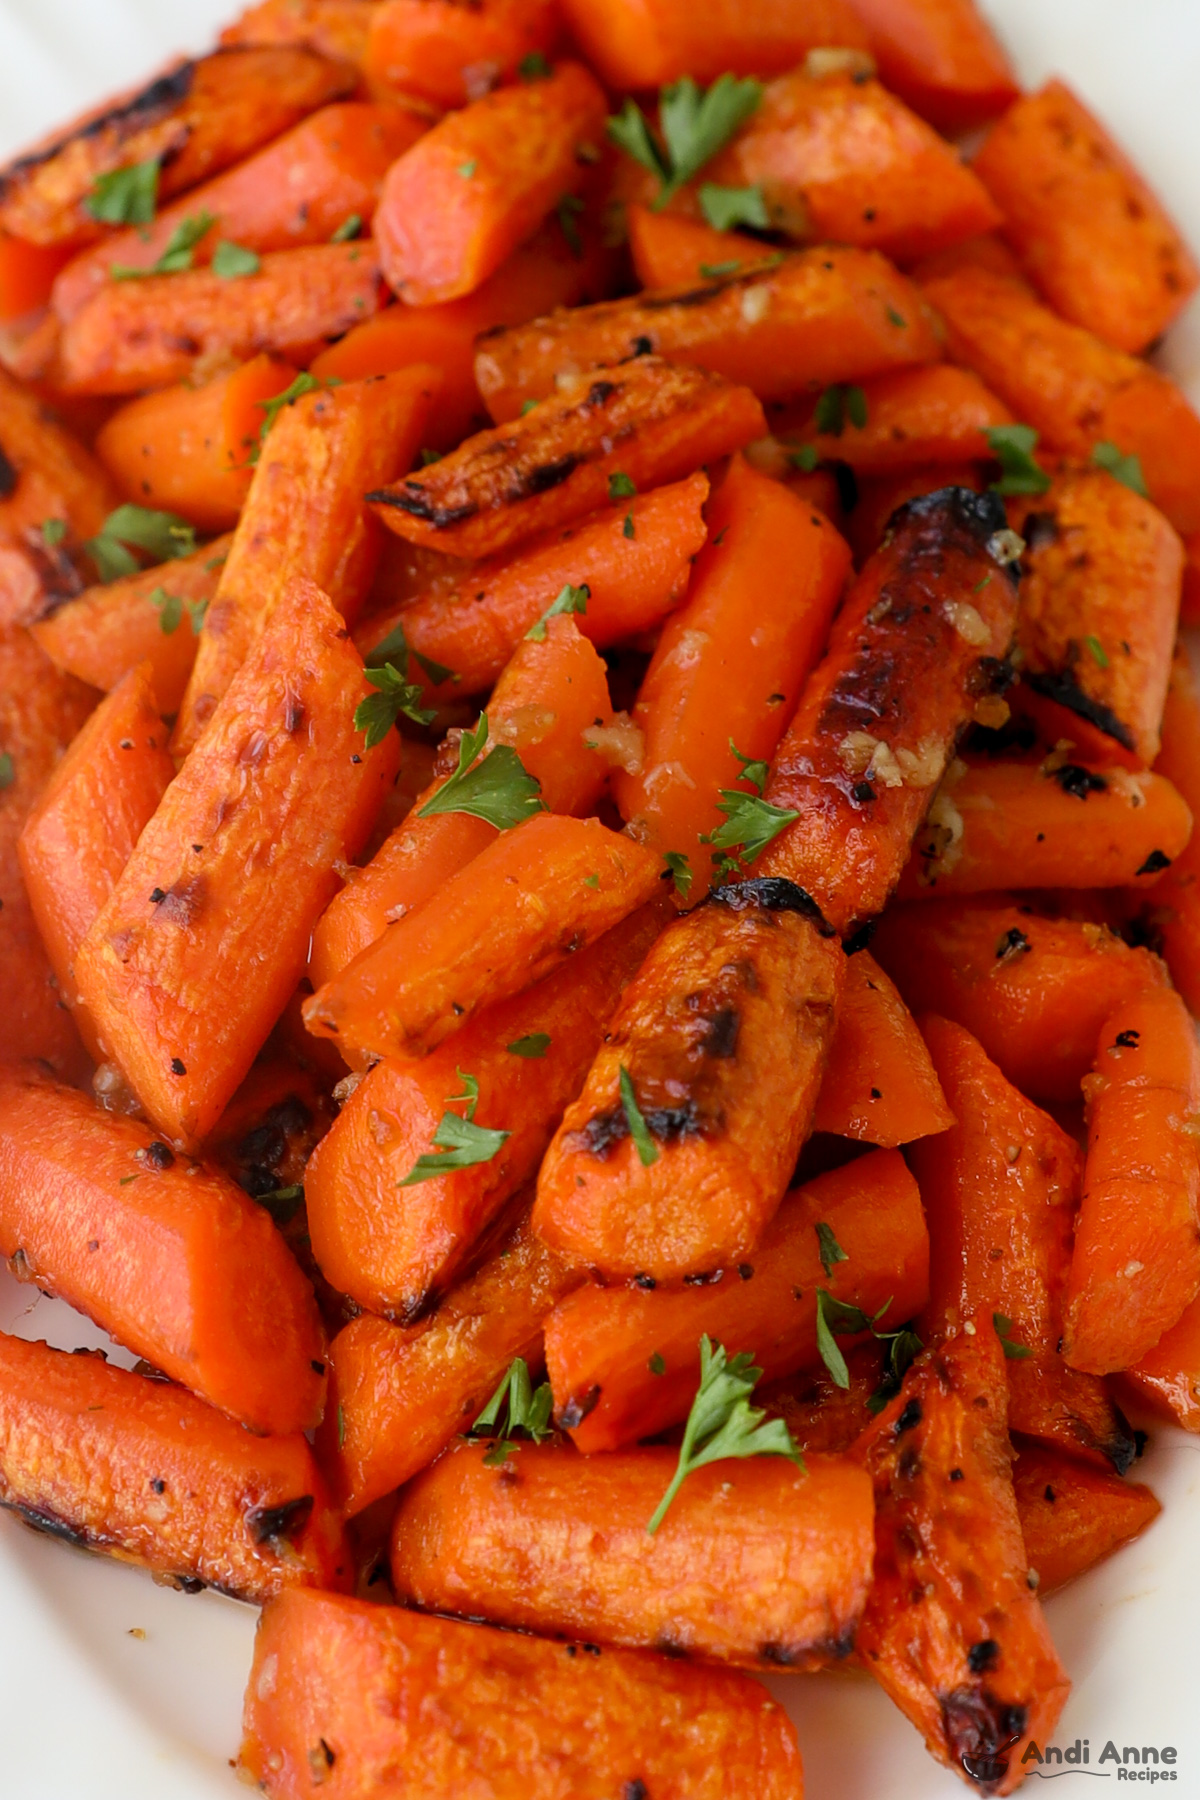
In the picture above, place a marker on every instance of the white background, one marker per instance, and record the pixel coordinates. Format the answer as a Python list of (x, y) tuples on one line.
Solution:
[(88, 1712)]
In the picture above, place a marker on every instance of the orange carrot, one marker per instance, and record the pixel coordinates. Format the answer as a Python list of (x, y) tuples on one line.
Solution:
[(727, 674), (820, 1415), (916, 416), (880, 1086), (644, 43), (27, 274), (1074, 1517), (337, 28), (1136, 1266), (670, 251), (989, 251), (245, 1515), (942, 57), (1189, 605), (1171, 914), (1167, 1377), (461, 200), (877, 498), (272, 1125), (279, 780), (1088, 228), (449, 56), (172, 1260), (604, 1346)]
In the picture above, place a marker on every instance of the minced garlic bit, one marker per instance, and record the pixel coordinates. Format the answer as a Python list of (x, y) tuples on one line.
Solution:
[(940, 843), (992, 711), (969, 1328), (1130, 786), (1006, 546), (864, 756), (967, 621), (621, 744), (1133, 1268), (833, 60), (756, 303)]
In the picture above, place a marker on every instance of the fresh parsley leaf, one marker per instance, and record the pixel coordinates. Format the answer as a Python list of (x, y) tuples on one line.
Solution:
[(459, 1140), (726, 208), (695, 124), (230, 261), (753, 769), (722, 1424), (627, 527), (856, 408), (497, 788), (751, 823), (395, 697), (1013, 447), (568, 600), (395, 648), (897, 319), (295, 390), (341, 1427), (1003, 1326), (1126, 469), (467, 169), (349, 228), (533, 67), (904, 1346), (162, 535), (429, 457), (828, 1248), (53, 532), (644, 1144), (125, 196), (837, 1319), (178, 255), (630, 132), (621, 486), (8, 770), (169, 608), (567, 213), (516, 1406), (656, 1364), (282, 1203), (528, 406), (1099, 653), (805, 458), (681, 872), (836, 405), (535, 1044), (713, 271)]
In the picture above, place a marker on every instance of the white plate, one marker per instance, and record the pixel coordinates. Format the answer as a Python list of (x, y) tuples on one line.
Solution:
[(89, 1712)]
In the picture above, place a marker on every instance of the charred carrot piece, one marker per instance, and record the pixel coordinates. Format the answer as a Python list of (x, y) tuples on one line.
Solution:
[(1059, 823), (782, 327), (468, 1539), (1170, 916), (304, 517), (360, 1681), (670, 251), (196, 119), (1091, 232), (1032, 988), (396, 1248), (27, 273), (1074, 1517), (819, 1414), (272, 1125), (913, 418), (448, 56), (480, 940), (398, 1394), (942, 57), (184, 920), (1167, 1377), (650, 421), (880, 496), (144, 334), (112, 628), (880, 1086), (634, 576), (604, 1346), (335, 28), (644, 43), (83, 1445), (716, 681), (1136, 1266), (173, 1261)]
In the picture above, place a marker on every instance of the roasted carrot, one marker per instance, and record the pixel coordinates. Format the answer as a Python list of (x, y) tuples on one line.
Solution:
[(449, 55), (670, 251), (140, 1470), (644, 43), (142, 334), (633, 577), (942, 57), (196, 119), (1090, 231), (461, 199), (878, 497), (304, 517), (916, 417), (1136, 1266), (272, 1125), (1167, 1377), (396, 1252), (783, 327), (172, 1260), (398, 1394), (348, 1684), (758, 1564), (1073, 1516), (604, 1346), (953, 1631), (880, 1086), (27, 273), (726, 673), (1033, 988), (110, 629), (1056, 824), (989, 251), (279, 780), (1189, 604), (819, 1414), (337, 28), (1170, 915), (1077, 391), (1000, 1189)]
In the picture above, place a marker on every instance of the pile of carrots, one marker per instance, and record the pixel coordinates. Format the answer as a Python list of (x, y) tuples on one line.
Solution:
[(600, 912)]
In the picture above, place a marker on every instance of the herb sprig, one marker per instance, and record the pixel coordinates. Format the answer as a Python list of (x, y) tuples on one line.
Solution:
[(125, 196), (1013, 447), (162, 535), (178, 255), (458, 1141), (516, 1408), (496, 787), (695, 123)]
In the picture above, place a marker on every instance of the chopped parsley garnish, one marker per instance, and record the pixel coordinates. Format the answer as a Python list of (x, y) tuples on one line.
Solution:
[(467, 169), (644, 1144), (162, 535), (714, 271), (349, 228), (498, 788), (754, 770), (681, 872), (295, 390), (535, 1044), (125, 196), (837, 1319), (533, 67), (395, 648), (836, 405), (53, 532), (805, 458), (726, 208), (396, 697), (567, 213), (1099, 653), (828, 1248), (621, 486), (282, 1203), (459, 1143), (694, 123), (656, 1364), (1003, 1327), (1125, 469), (516, 1407), (178, 255), (627, 528), (8, 770), (568, 600), (1013, 447), (230, 261), (171, 608), (751, 823)]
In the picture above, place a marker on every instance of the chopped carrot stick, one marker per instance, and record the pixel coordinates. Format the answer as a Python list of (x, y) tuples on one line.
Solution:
[(604, 1346), (1189, 605), (880, 1086), (336, 28), (1171, 913), (1167, 1377), (989, 251), (670, 251), (942, 57), (877, 498), (820, 1415), (82, 1444), (914, 417), (1074, 1517), (1136, 1267), (644, 43), (173, 1261), (27, 274), (448, 55)]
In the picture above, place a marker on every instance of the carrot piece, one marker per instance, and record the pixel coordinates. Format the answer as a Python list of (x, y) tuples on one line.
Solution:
[(164, 328), (450, 56), (46, 478), (184, 921), (820, 1415), (1189, 603), (1171, 914), (485, 938), (272, 1125), (1000, 1189), (1167, 1377), (942, 57), (27, 273), (726, 671), (1077, 391), (196, 119), (1072, 1516), (644, 43), (1033, 989), (336, 28), (758, 1564), (880, 1086), (879, 497), (914, 417), (398, 1394), (188, 449), (782, 327), (651, 421), (245, 1515), (85, 823), (676, 1155), (531, 1720), (989, 251), (299, 190), (865, 750), (952, 1631), (460, 200), (604, 1345), (633, 579), (109, 629), (304, 517), (396, 1253), (173, 1261), (1136, 1267), (1088, 228), (1058, 827), (670, 251)]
